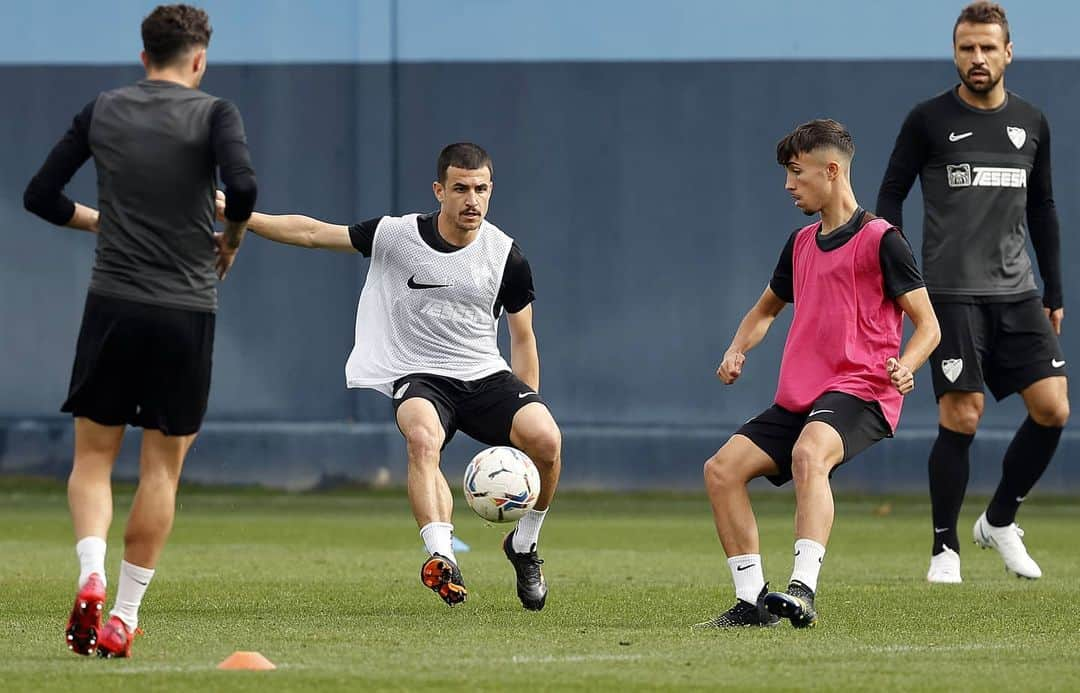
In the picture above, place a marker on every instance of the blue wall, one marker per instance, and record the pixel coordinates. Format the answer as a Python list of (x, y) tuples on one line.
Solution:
[(643, 190)]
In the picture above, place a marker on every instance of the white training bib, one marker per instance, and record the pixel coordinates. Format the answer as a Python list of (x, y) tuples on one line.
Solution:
[(424, 311)]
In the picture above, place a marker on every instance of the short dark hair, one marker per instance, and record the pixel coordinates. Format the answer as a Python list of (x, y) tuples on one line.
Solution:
[(817, 134), (170, 30), (982, 12), (464, 155)]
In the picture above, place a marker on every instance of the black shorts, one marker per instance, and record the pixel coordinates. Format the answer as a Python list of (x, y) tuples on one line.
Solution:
[(143, 365), (860, 424), (1004, 346), (483, 409)]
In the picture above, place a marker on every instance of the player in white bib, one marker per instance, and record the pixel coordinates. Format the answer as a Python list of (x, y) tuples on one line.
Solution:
[(426, 335)]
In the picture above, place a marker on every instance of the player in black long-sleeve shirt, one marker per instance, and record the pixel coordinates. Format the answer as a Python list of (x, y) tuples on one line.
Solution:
[(983, 156), (144, 350)]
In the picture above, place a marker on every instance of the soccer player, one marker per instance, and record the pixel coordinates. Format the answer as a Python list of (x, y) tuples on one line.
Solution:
[(852, 278), (144, 350), (983, 155), (426, 329)]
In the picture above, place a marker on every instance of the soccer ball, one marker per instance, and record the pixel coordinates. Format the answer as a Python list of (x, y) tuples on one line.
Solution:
[(501, 484)]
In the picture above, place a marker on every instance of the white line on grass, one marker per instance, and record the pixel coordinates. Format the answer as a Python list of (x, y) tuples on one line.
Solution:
[(550, 659), (932, 648)]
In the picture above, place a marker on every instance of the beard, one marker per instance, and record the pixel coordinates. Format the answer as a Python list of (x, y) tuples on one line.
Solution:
[(983, 88)]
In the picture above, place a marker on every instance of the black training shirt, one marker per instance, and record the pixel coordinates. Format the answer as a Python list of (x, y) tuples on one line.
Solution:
[(984, 173), (158, 147)]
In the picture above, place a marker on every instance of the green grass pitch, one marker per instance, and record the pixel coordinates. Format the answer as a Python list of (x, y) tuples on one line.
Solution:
[(327, 587)]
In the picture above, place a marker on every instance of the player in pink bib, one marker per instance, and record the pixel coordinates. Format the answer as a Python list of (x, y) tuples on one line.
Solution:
[(851, 277)]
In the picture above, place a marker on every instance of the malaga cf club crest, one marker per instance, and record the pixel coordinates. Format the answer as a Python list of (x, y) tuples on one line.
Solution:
[(1016, 135), (952, 368)]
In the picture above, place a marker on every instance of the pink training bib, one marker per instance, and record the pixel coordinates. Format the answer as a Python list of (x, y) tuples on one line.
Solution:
[(845, 327)]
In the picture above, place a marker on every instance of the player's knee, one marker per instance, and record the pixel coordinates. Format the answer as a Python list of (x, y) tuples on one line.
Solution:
[(807, 463), (423, 443), (161, 475), (545, 446), (721, 472), (962, 416), (1053, 414)]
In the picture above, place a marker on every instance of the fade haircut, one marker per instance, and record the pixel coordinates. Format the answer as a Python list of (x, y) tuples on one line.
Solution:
[(464, 155), (823, 133), (983, 12), (171, 30)]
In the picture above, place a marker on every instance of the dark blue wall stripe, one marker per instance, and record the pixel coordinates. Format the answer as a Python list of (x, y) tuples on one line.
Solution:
[(645, 195)]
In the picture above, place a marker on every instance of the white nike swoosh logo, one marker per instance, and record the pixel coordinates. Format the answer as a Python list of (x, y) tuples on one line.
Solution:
[(820, 411), (939, 530), (1056, 364), (525, 394), (953, 137)]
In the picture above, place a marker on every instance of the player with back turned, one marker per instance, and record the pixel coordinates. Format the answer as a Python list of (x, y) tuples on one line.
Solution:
[(145, 346)]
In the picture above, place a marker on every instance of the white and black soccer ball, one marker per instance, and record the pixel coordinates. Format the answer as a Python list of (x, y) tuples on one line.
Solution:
[(501, 484)]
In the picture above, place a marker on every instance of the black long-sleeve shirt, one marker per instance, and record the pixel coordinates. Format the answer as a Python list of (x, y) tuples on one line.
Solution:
[(157, 146), (983, 174)]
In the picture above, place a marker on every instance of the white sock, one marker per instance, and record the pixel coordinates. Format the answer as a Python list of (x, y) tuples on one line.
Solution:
[(439, 538), (91, 553), (527, 532), (748, 576), (808, 557), (129, 593)]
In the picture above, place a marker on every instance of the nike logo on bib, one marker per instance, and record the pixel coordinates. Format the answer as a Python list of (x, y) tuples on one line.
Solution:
[(413, 284), (1056, 364), (523, 395), (820, 411), (953, 137)]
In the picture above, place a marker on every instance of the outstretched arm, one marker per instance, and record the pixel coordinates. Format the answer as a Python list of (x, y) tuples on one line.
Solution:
[(755, 324), (295, 229), (524, 357), (916, 305)]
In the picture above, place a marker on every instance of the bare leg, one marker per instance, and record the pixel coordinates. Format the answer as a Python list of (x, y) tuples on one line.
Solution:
[(429, 494), (535, 433), (154, 507), (818, 449), (89, 485), (726, 475)]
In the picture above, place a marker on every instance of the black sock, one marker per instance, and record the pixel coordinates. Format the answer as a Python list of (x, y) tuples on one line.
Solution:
[(949, 466), (1025, 461)]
